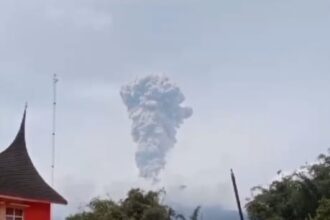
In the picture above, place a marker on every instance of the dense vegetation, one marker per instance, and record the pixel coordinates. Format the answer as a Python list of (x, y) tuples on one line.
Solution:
[(138, 205), (303, 195)]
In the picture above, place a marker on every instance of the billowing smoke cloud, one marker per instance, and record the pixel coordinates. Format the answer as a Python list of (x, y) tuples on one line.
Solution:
[(154, 105)]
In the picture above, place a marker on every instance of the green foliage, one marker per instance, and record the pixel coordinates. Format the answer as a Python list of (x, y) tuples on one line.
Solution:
[(323, 211), (155, 213), (295, 197), (138, 205)]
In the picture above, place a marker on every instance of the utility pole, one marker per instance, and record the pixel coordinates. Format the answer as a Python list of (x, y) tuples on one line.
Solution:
[(236, 195)]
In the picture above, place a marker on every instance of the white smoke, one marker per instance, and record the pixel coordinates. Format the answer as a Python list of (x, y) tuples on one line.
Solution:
[(154, 105)]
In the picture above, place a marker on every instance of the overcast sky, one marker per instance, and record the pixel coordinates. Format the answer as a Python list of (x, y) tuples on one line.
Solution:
[(256, 73)]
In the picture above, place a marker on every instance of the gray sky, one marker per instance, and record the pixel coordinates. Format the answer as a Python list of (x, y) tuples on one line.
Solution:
[(256, 73)]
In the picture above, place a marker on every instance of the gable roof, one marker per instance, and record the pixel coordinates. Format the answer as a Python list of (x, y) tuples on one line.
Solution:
[(18, 176)]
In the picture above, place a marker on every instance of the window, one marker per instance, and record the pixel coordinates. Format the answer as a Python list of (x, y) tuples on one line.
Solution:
[(14, 214)]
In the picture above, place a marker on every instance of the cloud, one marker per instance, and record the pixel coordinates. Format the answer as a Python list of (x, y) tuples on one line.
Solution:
[(79, 17)]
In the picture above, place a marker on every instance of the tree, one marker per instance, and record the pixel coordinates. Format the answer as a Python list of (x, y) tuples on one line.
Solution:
[(323, 211), (296, 197), (138, 205)]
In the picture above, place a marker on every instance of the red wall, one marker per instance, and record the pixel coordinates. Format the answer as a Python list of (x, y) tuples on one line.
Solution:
[(34, 210), (37, 211)]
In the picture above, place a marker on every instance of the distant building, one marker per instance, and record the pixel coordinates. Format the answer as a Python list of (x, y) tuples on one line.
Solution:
[(24, 195)]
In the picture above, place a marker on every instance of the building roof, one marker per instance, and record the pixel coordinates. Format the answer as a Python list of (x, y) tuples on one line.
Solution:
[(18, 176)]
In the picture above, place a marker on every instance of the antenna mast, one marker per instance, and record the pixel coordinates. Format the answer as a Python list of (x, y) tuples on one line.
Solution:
[(55, 80), (233, 179)]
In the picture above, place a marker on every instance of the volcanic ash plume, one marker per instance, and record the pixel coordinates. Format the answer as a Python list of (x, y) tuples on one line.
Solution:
[(154, 105)]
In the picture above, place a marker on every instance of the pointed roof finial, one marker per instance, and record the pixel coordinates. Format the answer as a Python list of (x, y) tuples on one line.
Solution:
[(19, 142), (21, 132), (18, 176)]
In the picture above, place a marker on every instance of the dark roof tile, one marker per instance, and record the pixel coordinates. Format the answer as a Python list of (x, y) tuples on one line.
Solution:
[(19, 177)]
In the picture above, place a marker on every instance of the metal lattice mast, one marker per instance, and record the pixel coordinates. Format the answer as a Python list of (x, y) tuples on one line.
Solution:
[(55, 80)]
